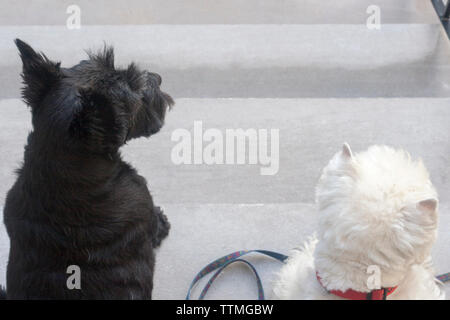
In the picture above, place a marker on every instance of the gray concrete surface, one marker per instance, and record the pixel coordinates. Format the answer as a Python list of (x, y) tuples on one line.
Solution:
[(112, 12), (400, 60), (308, 68), (311, 131)]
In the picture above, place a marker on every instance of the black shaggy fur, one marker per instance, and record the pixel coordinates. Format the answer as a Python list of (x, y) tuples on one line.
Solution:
[(75, 201)]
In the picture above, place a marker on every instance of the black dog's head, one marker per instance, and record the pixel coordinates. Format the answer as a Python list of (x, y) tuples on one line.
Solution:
[(92, 105)]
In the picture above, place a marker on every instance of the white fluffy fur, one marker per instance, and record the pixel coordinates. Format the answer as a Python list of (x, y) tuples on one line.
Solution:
[(377, 208)]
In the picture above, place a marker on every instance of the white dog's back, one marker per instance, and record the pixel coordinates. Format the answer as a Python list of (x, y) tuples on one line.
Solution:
[(297, 280)]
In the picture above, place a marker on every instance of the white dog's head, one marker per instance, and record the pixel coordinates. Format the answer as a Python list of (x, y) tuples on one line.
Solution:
[(377, 207)]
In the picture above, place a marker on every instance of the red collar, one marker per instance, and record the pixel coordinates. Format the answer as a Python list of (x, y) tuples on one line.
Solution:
[(379, 294)]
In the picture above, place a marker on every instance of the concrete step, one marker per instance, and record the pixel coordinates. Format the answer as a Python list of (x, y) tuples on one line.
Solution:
[(310, 132), (208, 232), (262, 61), (201, 234), (112, 12)]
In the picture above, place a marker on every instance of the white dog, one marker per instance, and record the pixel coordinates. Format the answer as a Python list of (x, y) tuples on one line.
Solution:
[(377, 223)]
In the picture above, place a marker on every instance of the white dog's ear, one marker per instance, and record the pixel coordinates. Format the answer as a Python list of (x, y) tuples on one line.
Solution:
[(342, 160), (346, 151), (428, 206)]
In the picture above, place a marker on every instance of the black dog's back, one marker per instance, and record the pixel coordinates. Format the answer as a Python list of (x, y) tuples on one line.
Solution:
[(75, 202), (105, 229)]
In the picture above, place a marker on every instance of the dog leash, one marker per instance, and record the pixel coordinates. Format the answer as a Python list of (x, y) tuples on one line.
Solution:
[(223, 262), (445, 277)]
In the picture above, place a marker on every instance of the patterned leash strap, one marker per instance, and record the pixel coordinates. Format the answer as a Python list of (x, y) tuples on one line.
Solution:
[(223, 262), (444, 277)]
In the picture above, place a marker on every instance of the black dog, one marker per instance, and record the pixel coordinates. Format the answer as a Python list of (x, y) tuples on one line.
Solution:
[(75, 201)]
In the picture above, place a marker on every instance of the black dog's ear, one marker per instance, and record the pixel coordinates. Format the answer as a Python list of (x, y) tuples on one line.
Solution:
[(39, 74), (95, 123)]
